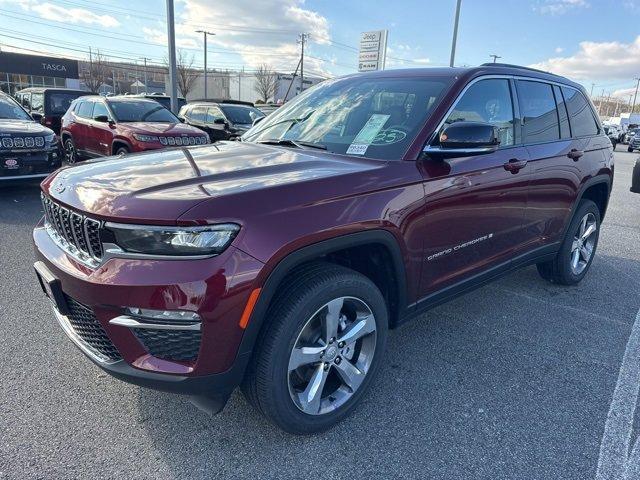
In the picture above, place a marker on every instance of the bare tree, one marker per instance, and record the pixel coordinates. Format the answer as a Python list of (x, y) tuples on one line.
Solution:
[(185, 72), (96, 72), (266, 82)]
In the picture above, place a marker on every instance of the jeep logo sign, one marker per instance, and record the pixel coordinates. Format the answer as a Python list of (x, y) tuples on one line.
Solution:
[(38, 65)]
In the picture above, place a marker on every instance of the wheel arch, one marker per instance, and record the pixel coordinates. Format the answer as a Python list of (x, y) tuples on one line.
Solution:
[(120, 142), (597, 190), (324, 250)]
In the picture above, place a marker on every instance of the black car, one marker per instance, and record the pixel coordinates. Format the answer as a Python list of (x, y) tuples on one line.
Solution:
[(27, 149), (163, 100), (48, 105), (222, 121)]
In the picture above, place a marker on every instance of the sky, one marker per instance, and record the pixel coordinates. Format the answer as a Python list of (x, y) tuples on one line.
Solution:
[(595, 42)]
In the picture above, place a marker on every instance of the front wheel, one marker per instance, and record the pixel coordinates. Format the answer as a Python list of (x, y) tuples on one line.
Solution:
[(578, 248), (324, 343), (122, 151), (629, 149), (70, 152)]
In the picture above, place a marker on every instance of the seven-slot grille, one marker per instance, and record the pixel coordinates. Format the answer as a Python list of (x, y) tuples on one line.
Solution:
[(22, 142), (81, 232), (183, 140)]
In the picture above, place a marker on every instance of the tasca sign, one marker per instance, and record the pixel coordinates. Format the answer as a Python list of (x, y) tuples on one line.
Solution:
[(373, 51), (38, 65)]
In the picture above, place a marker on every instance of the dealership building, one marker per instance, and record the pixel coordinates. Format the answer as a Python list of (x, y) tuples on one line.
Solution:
[(18, 71)]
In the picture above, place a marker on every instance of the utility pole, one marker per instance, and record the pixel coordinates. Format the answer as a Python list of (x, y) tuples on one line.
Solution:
[(495, 57), (455, 34), (113, 80), (591, 93), (303, 39), (171, 34), (637, 79), (205, 33), (146, 88), (293, 78)]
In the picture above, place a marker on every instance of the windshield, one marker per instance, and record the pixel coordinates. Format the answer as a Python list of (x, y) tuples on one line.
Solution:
[(9, 109), (58, 102), (240, 114), (369, 117), (141, 111)]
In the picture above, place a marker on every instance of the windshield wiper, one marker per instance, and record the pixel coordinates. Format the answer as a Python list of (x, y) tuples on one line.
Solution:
[(293, 122), (286, 142)]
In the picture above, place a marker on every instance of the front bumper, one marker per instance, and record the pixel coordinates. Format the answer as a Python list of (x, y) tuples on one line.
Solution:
[(23, 165), (217, 288)]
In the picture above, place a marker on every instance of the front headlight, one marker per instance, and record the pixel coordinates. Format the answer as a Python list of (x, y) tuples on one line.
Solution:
[(178, 241), (50, 138), (145, 138)]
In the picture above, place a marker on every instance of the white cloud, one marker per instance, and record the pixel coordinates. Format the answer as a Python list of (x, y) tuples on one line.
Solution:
[(155, 35), (624, 93), (597, 60), (559, 7), (262, 31), (559, 50), (49, 11)]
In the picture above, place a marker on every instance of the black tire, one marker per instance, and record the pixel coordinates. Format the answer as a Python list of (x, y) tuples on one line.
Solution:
[(559, 270), (70, 153), (629, 149), (266, 384), (122, 150)]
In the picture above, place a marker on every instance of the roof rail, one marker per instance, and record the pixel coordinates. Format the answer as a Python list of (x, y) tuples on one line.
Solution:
[(519, 67)]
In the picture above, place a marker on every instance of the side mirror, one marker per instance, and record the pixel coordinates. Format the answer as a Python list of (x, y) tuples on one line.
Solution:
[(257, 121), (220, 121), (101, 118), (465, 138), (635, 178), (37, 116)]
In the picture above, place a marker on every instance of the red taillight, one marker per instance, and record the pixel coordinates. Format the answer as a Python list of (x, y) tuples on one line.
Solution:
[(47, 121)]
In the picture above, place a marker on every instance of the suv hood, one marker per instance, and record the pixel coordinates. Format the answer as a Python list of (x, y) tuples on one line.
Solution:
[(154, 128), (11, 126), (159, 186)]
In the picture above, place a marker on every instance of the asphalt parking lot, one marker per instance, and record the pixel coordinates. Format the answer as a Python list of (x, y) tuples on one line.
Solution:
[(512, 381)]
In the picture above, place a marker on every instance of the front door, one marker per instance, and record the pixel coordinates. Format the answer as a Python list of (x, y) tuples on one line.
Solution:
[(476, 203), (101, 134)]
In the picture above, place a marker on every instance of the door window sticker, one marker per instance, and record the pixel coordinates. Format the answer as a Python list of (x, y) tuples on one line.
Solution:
[(367, 134), (389, 136)]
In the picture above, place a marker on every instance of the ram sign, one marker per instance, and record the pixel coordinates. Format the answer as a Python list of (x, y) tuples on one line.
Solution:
[(373, 50)]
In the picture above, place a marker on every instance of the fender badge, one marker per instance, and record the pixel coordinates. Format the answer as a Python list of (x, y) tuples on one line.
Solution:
[(59, 188)]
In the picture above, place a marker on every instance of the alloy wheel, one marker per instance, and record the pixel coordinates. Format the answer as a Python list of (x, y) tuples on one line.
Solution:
[(70, 150), (583, 243), (332, 355)]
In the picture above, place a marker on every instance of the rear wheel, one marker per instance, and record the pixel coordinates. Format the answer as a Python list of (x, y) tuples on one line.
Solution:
[(578, 248), (629, 149), (323, 344)]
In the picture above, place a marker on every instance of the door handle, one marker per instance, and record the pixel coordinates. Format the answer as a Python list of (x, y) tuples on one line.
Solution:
[(575, 154), (514, 165)]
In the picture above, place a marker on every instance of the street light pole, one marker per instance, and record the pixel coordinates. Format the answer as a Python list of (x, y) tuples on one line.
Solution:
[(455, 34), (171, 33), (205, 33), (635, 95)]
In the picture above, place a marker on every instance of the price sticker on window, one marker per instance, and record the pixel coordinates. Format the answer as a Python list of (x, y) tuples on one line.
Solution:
[(367, 134)]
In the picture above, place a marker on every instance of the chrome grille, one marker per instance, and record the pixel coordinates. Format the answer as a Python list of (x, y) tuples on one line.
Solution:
[(80, 233)]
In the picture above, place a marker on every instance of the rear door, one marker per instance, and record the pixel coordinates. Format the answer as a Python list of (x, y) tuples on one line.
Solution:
[(558, 129), (476, 202)]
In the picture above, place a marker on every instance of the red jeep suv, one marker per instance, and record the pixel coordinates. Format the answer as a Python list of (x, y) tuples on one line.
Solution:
[(96, 126), (280, 262)]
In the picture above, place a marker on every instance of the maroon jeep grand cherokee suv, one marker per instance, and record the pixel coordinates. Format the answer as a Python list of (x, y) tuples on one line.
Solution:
[(279, 263), (95, 126)]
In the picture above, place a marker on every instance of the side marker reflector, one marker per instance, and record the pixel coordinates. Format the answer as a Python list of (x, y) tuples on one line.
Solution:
[(248, 309)]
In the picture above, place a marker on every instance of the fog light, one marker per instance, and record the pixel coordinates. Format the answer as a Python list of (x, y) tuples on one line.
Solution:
[(172, 315)]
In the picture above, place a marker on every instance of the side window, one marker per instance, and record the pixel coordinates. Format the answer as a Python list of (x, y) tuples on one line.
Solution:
[(37, 102), (539, 113), (100, 109), (85, 110), (198, 114), (565, 132), (213, 113), (487, 101), (580, 114)]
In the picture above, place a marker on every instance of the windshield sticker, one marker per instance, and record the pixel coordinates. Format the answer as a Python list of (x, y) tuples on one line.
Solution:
[(389, 136), (367, 134)]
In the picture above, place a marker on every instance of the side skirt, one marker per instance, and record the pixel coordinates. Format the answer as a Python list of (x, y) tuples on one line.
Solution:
[(541, 254)]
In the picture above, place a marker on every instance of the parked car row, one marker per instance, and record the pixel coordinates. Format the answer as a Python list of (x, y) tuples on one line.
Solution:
[(78, 125)]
